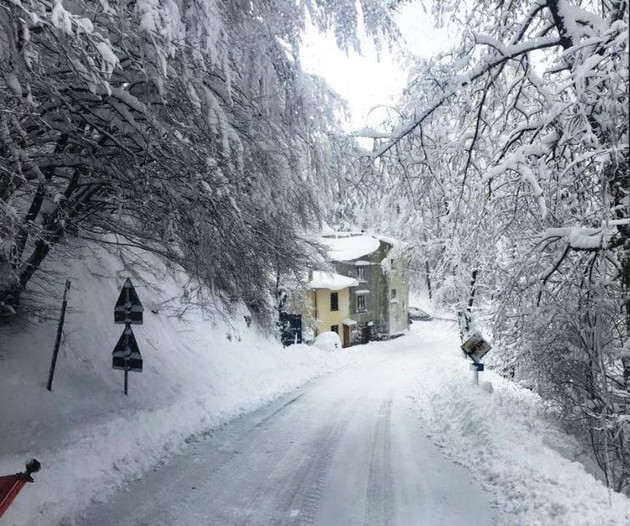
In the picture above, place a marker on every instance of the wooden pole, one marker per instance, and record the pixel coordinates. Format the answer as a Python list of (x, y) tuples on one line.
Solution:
[(53, 361)]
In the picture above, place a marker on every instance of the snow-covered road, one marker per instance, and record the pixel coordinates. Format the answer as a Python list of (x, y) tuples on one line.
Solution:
[(344, 450)]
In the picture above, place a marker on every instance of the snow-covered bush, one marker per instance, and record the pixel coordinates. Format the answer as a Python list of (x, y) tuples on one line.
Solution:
[(328, 341)]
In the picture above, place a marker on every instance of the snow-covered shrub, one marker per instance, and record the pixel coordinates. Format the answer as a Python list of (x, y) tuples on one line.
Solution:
[(328, 341)]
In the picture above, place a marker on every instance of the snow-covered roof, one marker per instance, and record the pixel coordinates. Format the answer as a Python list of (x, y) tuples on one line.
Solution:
[(331, 281), (346, 246), (388, 239)]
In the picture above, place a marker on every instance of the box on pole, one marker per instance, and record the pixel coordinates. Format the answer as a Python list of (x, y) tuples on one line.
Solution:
[(476, 348)]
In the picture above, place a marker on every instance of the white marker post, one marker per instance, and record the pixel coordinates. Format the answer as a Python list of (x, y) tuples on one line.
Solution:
[(477, 367), (475, 347)]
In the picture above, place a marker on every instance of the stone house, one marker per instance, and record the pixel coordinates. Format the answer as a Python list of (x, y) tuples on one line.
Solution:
[(367, 296)]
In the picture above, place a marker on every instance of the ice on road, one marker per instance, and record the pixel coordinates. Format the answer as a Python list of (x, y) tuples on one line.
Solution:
[(345, 450)]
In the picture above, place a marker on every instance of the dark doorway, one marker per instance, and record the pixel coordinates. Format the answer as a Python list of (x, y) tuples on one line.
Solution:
[(347, 336), (290, 328), (366, 333)]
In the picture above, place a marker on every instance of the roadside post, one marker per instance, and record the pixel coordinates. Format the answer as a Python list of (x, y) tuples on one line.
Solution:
[(11, 485), (477, 368), (475, 347), (128, 310), (53, 361)]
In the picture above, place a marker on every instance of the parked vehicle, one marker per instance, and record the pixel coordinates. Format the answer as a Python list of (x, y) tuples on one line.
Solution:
[(416, 314)]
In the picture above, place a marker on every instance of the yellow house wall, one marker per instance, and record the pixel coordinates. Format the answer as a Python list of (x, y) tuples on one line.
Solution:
[(326, 318)]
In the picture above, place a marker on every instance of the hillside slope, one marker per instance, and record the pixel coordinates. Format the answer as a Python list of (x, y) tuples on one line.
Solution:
[(200, 369)]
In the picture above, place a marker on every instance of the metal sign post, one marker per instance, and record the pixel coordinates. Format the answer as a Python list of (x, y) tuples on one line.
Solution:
[(53, 361), (477, 368), (128, 310)]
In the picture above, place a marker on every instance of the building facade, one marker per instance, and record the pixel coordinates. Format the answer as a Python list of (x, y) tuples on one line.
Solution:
[(372, 302)]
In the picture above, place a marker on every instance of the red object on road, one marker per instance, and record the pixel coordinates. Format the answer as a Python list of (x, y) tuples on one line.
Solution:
[(11, 485)]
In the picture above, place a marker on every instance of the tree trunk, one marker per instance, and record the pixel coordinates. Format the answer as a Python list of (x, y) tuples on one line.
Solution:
[(52, 231), (465, 317), (471, 300), (618, 177)]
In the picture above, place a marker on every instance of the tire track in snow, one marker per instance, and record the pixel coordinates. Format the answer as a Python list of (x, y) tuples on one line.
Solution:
[(308, 496), (292, 493), (213, 452), (379, 509)]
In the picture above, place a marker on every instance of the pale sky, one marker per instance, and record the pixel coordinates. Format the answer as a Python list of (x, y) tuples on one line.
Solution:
[(362, 80)]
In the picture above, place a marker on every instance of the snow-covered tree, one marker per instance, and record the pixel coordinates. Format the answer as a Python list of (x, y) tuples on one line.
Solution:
[(186, 127), (511, 163)]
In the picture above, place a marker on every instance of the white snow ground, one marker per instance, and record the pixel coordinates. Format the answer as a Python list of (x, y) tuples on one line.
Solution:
[(200, 373), (503, 437), (344, 450)]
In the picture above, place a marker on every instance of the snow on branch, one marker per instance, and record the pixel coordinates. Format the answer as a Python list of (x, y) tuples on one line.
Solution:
[(581, 238), (518, 163), (369, 133), (578, 23), (505, 53)]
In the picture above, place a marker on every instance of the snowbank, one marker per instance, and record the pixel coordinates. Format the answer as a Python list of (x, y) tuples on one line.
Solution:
[(199, 371), (524, 461)]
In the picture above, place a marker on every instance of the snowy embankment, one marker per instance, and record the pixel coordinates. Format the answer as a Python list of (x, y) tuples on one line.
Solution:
[(200, 370), (503, 436)]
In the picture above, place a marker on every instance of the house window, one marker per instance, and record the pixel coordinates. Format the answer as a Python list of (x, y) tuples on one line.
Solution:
[(393, 294), (335, 328), (361, 303), (334, 301), (361, 273), (393, 265)]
